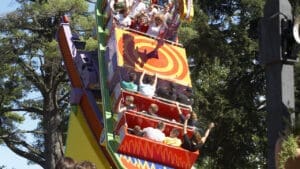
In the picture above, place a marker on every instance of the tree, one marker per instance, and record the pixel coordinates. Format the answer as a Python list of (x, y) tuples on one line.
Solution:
[(228, 81), (33, 67)]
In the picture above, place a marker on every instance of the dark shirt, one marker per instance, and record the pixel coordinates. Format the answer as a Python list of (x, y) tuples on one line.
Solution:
[(191, 122), (165, 93), (189, 145), (184, 99)]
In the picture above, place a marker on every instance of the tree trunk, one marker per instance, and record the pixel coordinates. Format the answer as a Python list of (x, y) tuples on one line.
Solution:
[(53, 135)]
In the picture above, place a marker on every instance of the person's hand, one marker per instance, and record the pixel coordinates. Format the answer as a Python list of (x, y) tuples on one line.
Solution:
[(190, 108), (188, 116), (211, 125)]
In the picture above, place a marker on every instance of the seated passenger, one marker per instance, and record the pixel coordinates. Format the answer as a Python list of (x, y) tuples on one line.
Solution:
[(155, 134), (186, 97), (173, 26), (140, 23), (157, 27), (148, 88), (129, 3), (192, 116), (130, 85), (138, 7), (167, 92), (122, 18), (137, 131), (117, 5), (152, 11), (162, 2), (128, 105), (152, 110), (196, 142), (166, 13), (172, 139)]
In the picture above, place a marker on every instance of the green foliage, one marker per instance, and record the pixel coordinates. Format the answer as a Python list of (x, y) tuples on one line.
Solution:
[(227, 83), (288, 150), (91, 44)]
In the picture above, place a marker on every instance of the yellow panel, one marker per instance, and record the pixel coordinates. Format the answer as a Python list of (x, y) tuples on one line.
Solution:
[(81, 144)]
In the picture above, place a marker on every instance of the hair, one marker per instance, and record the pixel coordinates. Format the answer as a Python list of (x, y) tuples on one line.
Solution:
[(194, 115), (154, 107), (137, 130), (132, 77), (197, 137), (149, 79), (175, 132), (129, 98), (160, 125), (85, 165), (65, 163), (173, 85)]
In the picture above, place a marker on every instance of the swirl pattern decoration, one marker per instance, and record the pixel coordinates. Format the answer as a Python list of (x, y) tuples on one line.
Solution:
[(145, 53)]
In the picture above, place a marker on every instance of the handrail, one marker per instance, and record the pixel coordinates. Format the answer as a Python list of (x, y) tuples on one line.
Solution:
[(162, 119), (167, 101)]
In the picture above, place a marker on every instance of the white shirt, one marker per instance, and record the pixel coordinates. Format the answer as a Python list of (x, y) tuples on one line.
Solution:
[(123, 21), (147, 89), (137, 8), (154, 30), (153, 12), (154, 134)]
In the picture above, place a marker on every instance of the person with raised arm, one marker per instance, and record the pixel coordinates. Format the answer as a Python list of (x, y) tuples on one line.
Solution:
[(192, 116), (128, 105), (157, 27), (197, 141), (130, 84), (148, 88)]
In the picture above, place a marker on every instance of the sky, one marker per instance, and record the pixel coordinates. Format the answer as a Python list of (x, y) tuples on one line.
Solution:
[(7, 157)]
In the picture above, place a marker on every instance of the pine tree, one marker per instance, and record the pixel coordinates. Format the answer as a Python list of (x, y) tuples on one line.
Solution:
[(33, 80)]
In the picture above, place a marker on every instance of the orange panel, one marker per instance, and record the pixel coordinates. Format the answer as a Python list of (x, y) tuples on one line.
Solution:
[(145, 53)]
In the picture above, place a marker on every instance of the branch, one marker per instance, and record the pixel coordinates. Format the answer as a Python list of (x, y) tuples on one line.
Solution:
[(25, 108), (41, 63), (32, 154), (64, 97), (31, 75)]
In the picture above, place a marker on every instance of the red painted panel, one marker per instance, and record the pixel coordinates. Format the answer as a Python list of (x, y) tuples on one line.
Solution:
[(166, 110), (68, 60), (176, 157)]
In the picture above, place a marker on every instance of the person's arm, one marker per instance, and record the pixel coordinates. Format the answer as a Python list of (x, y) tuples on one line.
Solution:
[(203, 139), (178, 108), (185, 125), (181, 116), (155, 80), (142, 77), (120, 108)]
